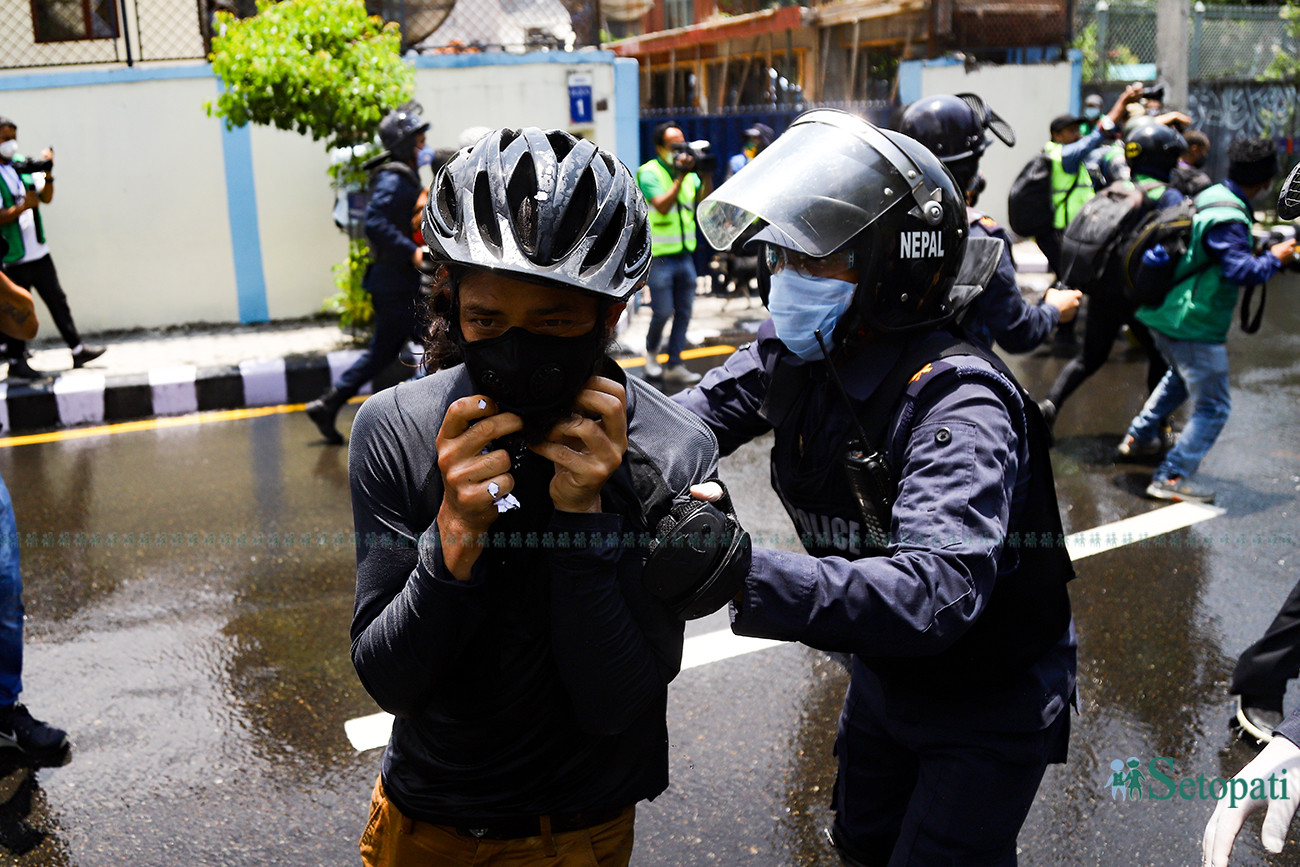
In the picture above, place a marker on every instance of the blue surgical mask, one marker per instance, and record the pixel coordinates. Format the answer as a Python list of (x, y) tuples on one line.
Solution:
[(801, 305), (424, 156), (1092, 112)]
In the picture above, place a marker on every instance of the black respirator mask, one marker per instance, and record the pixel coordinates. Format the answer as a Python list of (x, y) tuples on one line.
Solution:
[(535, 376)]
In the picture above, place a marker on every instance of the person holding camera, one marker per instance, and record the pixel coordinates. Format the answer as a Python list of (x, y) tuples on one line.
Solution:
[(1191, 326), (28, 262), (672, 188), (917, 472)]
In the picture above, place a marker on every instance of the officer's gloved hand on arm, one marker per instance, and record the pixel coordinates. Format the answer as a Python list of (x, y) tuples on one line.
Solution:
[(1279, 760), (701, 554)]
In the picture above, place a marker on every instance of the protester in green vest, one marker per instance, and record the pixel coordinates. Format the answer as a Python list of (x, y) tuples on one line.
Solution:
[(1071, 184), (28, 262), (1190, 327), (673, 190), (1151, 151)]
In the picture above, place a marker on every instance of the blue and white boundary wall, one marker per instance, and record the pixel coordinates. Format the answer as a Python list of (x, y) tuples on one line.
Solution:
[(163, 216), (1027, 96)]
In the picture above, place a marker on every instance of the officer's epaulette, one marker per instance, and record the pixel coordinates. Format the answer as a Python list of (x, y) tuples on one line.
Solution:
[(988, 223), (918, 380)]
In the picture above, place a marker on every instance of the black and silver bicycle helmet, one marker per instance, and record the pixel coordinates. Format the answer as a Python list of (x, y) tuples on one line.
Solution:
[(545, 207)]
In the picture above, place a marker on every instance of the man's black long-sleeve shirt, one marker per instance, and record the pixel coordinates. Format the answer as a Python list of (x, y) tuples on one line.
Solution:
[(540, 684)]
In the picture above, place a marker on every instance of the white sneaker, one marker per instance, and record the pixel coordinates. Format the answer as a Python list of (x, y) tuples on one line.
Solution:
[(653, 369), (680, 374)]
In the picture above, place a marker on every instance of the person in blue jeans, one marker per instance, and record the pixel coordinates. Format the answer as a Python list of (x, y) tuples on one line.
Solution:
[(672, 189), (1191, 325), (36, 741)]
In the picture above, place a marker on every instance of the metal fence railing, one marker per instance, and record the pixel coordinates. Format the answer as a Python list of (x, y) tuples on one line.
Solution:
[(1118, 40), (42, 33), (473, 26)]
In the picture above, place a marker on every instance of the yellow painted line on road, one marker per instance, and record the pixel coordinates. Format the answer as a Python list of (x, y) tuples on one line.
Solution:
[(255, 412), (153, 424), (701, 352)]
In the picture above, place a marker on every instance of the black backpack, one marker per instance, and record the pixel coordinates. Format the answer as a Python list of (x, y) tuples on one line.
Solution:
[(1029, 204), (1145, 284), (1096, 232)]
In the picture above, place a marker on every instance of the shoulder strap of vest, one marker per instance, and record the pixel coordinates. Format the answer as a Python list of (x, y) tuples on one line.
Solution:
[(878, 411), (399, 168)]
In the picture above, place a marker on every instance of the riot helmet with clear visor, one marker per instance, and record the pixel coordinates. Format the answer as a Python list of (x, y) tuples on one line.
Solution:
[(834, 182)]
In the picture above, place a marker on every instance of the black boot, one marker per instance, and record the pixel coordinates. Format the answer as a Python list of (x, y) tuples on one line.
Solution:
[(323, 410)]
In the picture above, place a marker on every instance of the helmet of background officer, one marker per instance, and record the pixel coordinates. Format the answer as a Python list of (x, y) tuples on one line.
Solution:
[(401, 132), (1153, 149), (953, 128), (757, 137), (471, 135), (880, 212), (520, 215), (1092, 107)]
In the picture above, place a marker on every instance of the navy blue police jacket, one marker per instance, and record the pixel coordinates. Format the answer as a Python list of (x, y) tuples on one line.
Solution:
[(960, 445), (1000, 313), (392, 278)]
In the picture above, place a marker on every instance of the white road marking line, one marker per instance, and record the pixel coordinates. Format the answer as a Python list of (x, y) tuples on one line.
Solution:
[(717, 646), (1138, 529), (371, 732)]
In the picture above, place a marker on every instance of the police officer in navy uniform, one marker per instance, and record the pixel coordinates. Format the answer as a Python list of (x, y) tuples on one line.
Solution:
[(393, 281), (956, 612), (953, 128)]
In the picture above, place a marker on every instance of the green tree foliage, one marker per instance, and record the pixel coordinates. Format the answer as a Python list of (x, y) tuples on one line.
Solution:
[(1285, 65), (351, 304), (322, 68), (325, 69)]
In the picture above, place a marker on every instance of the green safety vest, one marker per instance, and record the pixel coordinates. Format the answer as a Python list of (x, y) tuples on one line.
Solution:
[(12, 232), (1069, 192), (673, 232), (1201, 302)]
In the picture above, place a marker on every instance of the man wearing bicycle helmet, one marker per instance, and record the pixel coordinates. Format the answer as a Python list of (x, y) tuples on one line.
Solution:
[(503, 504), (916, 472)]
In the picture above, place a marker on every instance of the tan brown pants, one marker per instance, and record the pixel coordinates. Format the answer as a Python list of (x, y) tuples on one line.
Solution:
[(393, 840)]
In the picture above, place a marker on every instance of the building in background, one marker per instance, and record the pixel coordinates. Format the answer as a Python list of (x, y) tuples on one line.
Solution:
[(726, 55)]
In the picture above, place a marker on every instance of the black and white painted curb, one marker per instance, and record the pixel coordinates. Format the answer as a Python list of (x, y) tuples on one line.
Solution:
[(90, 398)]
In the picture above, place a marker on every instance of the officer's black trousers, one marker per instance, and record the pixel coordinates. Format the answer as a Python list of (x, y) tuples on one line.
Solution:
[(394, 325), (1106, 315)]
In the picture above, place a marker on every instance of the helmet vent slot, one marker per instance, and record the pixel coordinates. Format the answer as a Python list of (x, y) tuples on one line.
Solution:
[(483, 213), (445, 199), (608, 237), (577, 217), (561, 143), (521, 199)]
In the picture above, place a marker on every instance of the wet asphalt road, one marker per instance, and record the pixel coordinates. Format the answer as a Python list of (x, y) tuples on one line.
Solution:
[(189, 592)]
